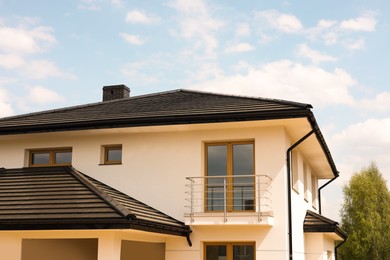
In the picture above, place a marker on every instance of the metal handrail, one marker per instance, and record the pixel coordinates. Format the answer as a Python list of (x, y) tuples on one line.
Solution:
[(243, 193)]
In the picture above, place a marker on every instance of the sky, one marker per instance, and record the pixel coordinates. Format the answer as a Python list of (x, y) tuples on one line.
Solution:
[(331, 54)]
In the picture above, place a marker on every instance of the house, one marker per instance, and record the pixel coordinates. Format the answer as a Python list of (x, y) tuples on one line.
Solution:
[(173, 175)]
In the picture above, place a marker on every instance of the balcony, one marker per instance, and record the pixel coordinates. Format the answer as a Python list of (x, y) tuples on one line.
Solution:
[(234, 200)]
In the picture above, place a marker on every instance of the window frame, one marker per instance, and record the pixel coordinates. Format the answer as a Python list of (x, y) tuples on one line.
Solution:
[(229, 247), (314, 192), (229, 168), (294, 166), (52, 153), (112, 147)]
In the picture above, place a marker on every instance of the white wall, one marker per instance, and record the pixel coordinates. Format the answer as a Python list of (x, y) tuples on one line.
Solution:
[(155, 164)]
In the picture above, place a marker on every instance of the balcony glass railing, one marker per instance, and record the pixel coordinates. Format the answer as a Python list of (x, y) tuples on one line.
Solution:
[(227, 194)]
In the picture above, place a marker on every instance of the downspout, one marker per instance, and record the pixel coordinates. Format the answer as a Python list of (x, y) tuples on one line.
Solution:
[(188, 232), (336, 247), (290, 243), (319, 191)]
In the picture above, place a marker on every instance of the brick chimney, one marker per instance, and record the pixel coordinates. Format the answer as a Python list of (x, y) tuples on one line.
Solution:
[(115, 92)]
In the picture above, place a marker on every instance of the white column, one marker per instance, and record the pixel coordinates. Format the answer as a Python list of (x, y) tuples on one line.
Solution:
[(109, 246), (10, 246)]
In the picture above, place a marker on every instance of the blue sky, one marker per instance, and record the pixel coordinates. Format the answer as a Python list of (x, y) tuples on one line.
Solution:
[(332, 54)]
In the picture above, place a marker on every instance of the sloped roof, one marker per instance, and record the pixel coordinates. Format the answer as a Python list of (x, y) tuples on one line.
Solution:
[(164, 108), (171, 107), (319, 224), (64, 198)]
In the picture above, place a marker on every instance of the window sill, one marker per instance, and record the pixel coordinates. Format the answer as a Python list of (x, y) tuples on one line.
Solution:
[(108, 164)]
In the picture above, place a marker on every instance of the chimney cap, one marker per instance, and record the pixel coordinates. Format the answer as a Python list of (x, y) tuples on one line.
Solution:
[(113, 92)]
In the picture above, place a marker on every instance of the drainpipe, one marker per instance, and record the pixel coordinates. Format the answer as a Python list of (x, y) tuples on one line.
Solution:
[(319, 191), (336, 247), (290, 243)]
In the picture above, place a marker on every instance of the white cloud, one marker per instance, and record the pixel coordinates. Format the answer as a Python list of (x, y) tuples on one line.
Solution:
[(40, 95), (25, 41), (11, 61), (287, 23), (313, 55), (117, 2), (365, 23), (344, 32), (134, 72), (243, 29), (133, 39), (92, 5), (5, 106), (359, 144), (380, 103), (197, 24), (240, 47), (41, 69), (285, 79), (140, 17), (353, 44)]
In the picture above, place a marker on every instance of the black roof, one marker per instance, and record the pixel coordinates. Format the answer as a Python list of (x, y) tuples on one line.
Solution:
[(63, 198), (317, 223), (165, 108)]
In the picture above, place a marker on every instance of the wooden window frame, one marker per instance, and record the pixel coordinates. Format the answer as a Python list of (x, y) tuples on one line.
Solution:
[(106, 149), (229, 144), (229, 247), (52, 152)]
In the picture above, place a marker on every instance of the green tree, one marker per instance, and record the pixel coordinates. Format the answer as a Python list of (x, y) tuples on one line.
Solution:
[(365, 216)]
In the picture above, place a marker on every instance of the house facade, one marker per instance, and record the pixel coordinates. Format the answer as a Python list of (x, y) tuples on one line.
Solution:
[(173, 175)]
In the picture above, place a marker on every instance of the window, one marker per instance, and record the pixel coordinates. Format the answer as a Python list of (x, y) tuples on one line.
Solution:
[(229, 251), (305, 181), (295, 171), (50, 157), (230, 176), (112, 154), (314, 187)]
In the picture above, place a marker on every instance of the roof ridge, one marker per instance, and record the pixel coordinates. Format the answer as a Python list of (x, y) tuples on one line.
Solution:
[(280, 101), (112, 202)]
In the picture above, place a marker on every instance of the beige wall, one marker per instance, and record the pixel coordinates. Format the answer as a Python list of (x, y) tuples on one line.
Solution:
[(59, 249), (134, 250), (74, 244), (319, 246), (156, 161)]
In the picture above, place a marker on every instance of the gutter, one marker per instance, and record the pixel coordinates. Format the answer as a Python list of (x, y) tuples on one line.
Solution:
[(288, 158)]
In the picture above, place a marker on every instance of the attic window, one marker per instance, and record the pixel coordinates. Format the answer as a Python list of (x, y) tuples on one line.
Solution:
[(50, 157), (112, 154)]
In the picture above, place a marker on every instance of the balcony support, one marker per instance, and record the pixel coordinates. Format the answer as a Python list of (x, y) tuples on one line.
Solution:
[(258, 199), (224, 200)]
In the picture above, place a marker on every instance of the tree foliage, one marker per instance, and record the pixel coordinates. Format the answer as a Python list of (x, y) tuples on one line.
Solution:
[(365, 216)]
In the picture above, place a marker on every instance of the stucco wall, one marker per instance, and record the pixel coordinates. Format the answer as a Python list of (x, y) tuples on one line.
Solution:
[(59, 249), (154, 166)]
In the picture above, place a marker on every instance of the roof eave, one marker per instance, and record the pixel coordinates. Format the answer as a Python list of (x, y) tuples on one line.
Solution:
[(154, 121)]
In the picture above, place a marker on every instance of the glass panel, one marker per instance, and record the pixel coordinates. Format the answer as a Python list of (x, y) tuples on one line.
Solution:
[(216, 166), (216, 252), (63, 157), (40, 158), (243, 187), (114, 154), (243, 252)]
